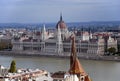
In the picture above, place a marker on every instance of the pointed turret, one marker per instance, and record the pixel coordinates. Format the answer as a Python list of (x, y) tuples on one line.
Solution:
[(43, 35), (59, 35), (59, 41), (90, 34)]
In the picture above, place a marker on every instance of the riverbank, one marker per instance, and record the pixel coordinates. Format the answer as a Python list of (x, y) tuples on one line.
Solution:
[(44, 54)]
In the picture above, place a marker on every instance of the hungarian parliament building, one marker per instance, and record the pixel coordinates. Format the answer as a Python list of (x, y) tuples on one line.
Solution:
[(59, 41)]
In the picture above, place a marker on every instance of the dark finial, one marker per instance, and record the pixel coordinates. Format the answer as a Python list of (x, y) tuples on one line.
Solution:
[(60, 16)]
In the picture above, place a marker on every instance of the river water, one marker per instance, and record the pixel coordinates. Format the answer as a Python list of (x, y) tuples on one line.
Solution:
[(98, 70)]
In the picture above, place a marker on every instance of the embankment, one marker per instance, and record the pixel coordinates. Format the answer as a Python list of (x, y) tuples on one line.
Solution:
[(45, 54)]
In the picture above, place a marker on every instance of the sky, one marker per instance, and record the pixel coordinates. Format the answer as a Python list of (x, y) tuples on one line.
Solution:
[(42, 11)]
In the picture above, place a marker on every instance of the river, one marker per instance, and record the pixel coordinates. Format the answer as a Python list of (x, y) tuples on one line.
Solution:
[(98, 70)]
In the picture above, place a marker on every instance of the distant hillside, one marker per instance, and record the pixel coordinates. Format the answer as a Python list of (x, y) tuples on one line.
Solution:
[(69, 24)]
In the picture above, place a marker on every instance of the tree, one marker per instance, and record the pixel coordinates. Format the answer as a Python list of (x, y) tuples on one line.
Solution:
[(13, 67), (118, 46), (112, 50), (5, 45)]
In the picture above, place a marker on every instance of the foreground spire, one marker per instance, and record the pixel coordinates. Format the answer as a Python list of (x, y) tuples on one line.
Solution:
[(73, 51), (75, 66)]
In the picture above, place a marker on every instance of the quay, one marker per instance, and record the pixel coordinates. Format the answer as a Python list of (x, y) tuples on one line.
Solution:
[(54, 55)]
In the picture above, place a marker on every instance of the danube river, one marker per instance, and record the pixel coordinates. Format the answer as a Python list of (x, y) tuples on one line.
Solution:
[(98, 70)]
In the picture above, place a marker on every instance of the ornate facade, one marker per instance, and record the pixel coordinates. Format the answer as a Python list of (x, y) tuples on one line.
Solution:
[(58, 42)]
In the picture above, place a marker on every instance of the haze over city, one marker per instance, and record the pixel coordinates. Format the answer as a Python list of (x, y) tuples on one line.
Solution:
[(36, 11)]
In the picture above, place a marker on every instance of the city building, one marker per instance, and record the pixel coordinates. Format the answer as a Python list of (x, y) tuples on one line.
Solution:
[(59, 43)]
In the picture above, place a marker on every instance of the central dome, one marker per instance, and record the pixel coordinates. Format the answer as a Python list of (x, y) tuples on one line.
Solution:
[(61, 23)]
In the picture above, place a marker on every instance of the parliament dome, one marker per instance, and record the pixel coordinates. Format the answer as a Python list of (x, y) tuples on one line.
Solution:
[(61, 23)]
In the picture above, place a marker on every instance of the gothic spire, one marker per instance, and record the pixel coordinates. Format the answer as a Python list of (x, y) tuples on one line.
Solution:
[(43, 36), (59, 40), (59, 34), (75, 66)]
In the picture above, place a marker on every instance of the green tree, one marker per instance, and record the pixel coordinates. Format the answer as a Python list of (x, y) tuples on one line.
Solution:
[(112, 50), (118, 48), (12, 67), (5, 45), (10, 45)]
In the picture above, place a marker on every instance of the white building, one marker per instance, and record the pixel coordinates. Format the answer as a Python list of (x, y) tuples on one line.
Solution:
[(25, 75), (3, 70)]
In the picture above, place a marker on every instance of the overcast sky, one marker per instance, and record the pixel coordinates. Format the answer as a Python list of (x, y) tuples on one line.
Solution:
[(39, 11)]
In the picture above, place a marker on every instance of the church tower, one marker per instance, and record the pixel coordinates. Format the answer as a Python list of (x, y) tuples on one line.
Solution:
[(59, 41), (76, 72)]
